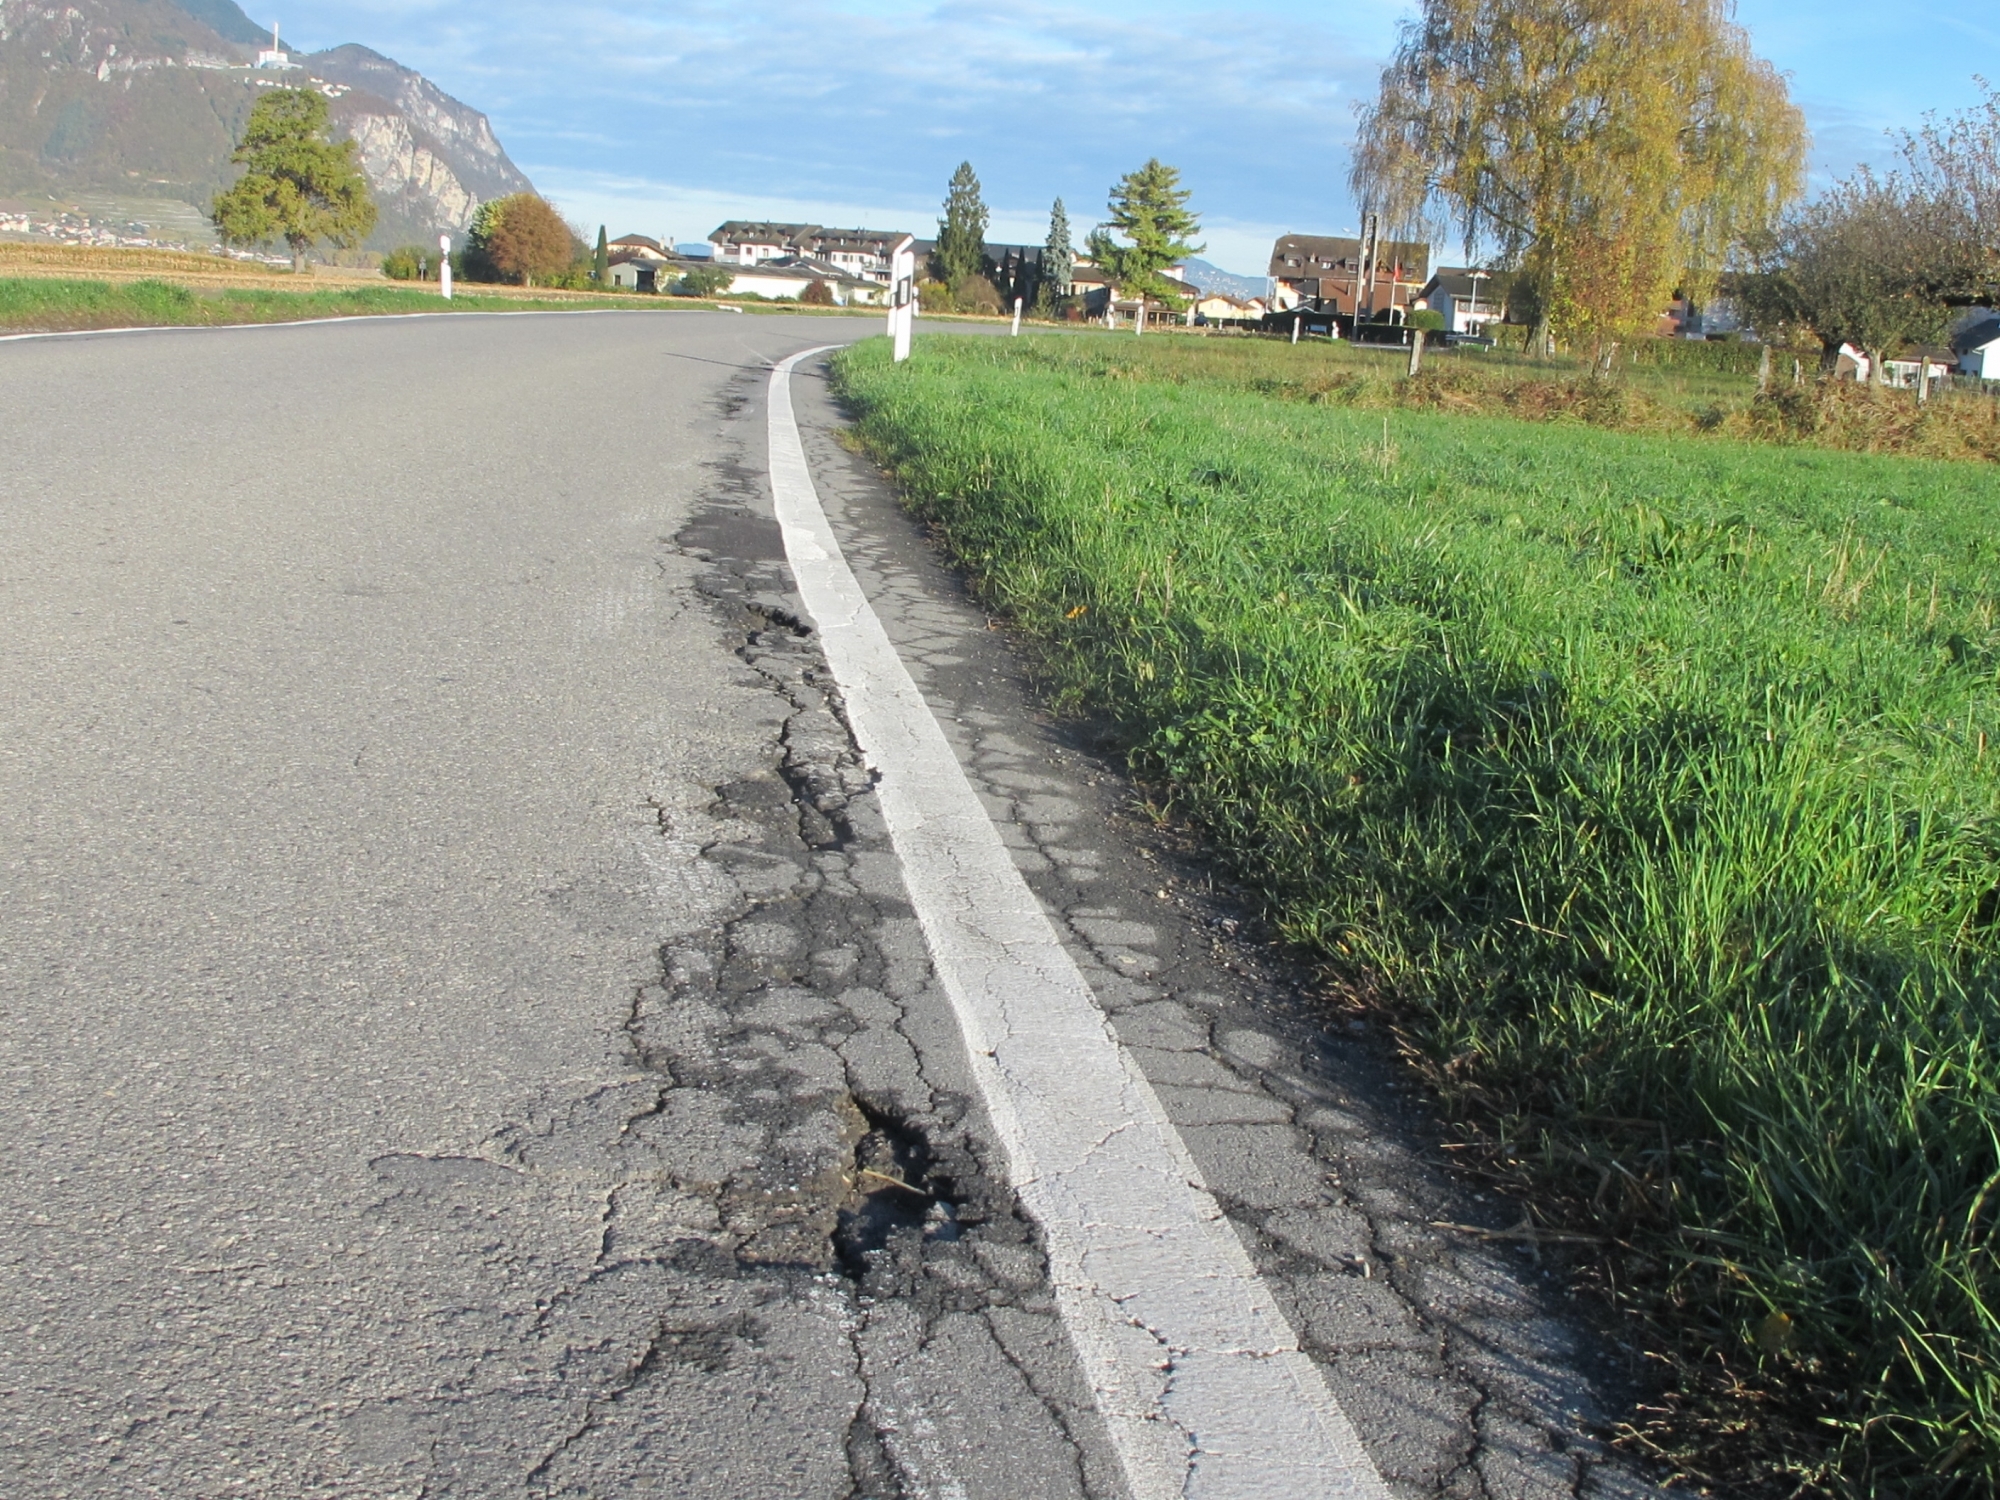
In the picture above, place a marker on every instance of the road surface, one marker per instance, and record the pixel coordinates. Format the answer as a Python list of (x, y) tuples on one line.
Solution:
[(465, 1025)]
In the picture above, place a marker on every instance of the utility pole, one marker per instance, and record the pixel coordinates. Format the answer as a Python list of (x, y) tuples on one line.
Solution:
[(1371, 230)]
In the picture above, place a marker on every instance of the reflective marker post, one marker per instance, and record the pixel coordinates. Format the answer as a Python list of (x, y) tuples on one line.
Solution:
[(902, 295), (444, 265), (1017, 318)]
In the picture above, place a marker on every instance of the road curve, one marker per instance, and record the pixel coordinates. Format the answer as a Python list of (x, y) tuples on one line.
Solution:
[(463, 1026)]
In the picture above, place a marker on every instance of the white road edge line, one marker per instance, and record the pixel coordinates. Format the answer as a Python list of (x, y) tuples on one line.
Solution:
[(491, 312), (1200, 1380)]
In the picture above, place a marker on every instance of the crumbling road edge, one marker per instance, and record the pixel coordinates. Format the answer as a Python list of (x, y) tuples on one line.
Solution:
[(1199, 1378)]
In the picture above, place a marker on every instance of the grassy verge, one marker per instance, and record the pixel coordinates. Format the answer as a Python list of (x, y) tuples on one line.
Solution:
[(1652, 783), (1661, 387), (48, 304)]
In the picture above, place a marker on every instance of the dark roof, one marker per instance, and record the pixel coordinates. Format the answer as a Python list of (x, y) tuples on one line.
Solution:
[(1976, 334), (1456, 281), (644, 242), (1298, 257), (761, 232), (879, 241)]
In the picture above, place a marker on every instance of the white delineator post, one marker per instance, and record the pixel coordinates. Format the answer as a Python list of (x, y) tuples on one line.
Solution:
[(1017, 318), (1139, 319), (902, 295), (444, 265)]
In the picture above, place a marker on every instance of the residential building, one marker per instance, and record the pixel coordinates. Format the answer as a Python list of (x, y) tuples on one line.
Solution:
[(1469, 297), (639, 246), (635, 273), (1904, 369), (1323, 273), (1976, 346), (1219, 307), (791, 275), (863, 254)]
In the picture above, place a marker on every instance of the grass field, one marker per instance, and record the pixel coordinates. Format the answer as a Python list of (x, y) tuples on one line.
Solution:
[(1660, 386), (38, 304), (1650, 780)]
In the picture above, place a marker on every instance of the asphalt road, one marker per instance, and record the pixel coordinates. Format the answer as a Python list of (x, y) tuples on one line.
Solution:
[(463, 1028)]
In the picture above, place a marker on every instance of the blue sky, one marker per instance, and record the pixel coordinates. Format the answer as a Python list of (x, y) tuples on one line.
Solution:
[(666, 116)]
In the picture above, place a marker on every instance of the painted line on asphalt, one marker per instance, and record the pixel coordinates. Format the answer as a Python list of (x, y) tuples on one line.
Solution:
[(1200, 1380), (491, 312)]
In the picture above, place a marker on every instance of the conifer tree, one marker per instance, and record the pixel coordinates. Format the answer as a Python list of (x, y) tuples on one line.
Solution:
[(1058, 262), (961, 241), (1149, 208), (600, 268)]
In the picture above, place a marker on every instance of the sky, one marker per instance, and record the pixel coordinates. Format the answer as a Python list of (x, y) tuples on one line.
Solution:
[(665, 117)]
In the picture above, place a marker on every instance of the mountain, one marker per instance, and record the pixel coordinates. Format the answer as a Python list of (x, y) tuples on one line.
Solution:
[(146, 98), (1214, 279)]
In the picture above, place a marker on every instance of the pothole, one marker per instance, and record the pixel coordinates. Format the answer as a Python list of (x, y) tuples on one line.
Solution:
[(901, 1200)]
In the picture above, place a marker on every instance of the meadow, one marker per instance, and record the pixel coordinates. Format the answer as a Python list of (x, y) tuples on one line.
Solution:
[(48, 304), (1647, 781)]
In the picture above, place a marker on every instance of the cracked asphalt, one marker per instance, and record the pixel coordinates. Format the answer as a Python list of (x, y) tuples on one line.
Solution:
[(463, 1030)]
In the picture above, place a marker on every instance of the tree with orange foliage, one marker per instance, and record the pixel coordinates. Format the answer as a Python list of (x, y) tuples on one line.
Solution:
[(521, 236), (1610, 151)]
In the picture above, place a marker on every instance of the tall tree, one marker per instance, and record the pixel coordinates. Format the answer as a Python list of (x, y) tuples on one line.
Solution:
[(523, 236), (961, 241), (600, 266), (1866, 263), (1149, 208), (1953, 166), (297, 186), (1058, 262), (1609, 150)]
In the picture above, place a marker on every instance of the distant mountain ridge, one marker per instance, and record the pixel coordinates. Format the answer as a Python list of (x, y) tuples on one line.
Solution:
[(1212, 278), (147, 98)]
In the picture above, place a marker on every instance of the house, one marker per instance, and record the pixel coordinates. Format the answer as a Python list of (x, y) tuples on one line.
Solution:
[(1904, 369), (635, 273), (1218, 308), (638, 247), (862, 254), (790, 276), (1469, 297), (1323, 273), (1976, 346)]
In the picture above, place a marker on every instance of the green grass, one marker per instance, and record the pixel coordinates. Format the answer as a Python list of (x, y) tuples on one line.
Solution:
[(1660, 385), (1650, 779), (50, 303)]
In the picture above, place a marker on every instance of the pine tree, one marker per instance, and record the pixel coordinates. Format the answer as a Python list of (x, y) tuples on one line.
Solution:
[(961, 241), (1058, 262), (1149, 208), (600, 269)]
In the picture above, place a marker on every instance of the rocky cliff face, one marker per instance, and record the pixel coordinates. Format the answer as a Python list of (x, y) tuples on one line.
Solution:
[(147, 98)]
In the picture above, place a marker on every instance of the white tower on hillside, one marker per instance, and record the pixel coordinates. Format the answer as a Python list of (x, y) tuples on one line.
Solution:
[(276, 57)]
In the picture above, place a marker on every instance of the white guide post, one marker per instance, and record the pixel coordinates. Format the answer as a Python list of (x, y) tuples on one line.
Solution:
[(902, 295), (1296, 322), (444, 265), (1139, 318), (1017, 318)]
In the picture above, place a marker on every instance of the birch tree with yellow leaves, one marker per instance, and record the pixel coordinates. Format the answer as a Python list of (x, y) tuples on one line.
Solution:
[(1610, 152)]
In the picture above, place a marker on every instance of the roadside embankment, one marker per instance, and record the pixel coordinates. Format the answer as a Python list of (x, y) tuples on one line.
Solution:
[(1649, 783)]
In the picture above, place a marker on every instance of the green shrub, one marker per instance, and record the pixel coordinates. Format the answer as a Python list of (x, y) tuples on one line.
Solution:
[(1428, 319), (704, 281), (408, 263), (975, 294)]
